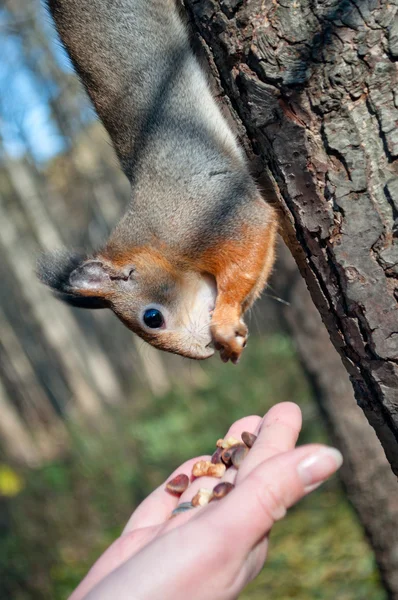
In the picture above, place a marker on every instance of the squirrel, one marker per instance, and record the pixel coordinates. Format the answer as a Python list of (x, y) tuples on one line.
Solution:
[(195, 246)]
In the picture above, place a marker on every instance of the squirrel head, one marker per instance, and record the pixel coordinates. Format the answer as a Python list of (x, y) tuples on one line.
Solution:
[(166, 306)]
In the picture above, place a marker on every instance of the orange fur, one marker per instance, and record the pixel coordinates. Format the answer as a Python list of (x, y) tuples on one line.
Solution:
[(143, 258), (242, 266)]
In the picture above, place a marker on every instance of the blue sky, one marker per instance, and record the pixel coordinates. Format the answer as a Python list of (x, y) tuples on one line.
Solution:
[(25, 116)]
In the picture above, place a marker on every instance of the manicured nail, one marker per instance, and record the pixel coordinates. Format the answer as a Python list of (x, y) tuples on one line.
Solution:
[(319, 466)]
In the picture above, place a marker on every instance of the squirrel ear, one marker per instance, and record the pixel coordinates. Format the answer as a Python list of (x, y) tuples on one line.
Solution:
[(76, 280), (89, 279)]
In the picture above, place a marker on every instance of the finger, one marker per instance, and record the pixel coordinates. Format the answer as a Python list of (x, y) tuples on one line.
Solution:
[(205, 486), (249, 511), (278, 433), (207, 483), (250, 423), (158, 506)]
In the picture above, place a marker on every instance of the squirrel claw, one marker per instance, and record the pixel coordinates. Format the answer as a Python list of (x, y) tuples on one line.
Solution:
[(230, 341)]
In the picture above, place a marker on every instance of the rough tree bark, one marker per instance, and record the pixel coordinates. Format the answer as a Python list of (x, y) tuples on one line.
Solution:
[(314, 82), (370, 484)]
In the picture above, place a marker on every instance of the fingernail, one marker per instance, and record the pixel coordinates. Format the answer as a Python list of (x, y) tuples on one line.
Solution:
[(319, 466)]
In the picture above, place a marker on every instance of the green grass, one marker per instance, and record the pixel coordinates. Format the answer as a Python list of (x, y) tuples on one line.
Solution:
[(68, 512)]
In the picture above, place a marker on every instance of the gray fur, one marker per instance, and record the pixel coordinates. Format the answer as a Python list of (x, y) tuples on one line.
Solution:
[(135, 59), (191, 188)]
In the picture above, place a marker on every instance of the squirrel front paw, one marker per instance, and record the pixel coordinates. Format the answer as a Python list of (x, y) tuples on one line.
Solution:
[(229, 339)]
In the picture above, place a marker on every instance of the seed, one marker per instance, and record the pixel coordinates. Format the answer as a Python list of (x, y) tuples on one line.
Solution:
[(178, 485), (216, 458), (249, 438), (226, 455), (239, 455), (221, 490), (207, 468), (181, 508), (202, 497)]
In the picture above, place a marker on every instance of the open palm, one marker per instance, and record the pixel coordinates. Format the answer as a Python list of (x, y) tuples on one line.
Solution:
[(212, 552)]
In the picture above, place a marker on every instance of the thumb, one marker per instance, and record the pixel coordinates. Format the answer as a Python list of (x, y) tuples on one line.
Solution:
[(250, 510)]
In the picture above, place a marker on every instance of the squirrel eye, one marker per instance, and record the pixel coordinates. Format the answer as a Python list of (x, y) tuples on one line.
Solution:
[(153, 318)]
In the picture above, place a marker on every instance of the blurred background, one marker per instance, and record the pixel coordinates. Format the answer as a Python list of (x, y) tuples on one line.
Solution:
[(92, 419)]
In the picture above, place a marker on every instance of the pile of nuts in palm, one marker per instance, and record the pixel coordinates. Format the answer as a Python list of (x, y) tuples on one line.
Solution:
[(230, 452)]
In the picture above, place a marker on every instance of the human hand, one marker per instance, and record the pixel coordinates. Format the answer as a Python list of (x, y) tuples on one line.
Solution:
[(213, 552)]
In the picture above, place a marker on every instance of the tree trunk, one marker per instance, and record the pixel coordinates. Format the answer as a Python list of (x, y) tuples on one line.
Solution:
[(313, 83), (368, 480)]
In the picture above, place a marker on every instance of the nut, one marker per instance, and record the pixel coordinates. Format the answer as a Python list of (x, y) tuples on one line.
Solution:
[(202, 497), (226, 455), (207, 468), (178, 485), (227, 442), (221, 490), (238, 455), (216, 458), (181, 508), (249, 438)]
